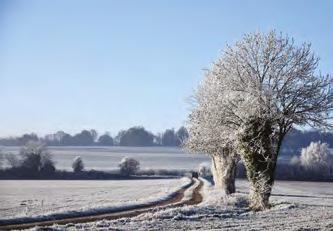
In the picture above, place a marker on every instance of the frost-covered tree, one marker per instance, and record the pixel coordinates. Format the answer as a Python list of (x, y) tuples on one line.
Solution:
[(36, 159), (208, 134), (129, 166), (182, 135), (257, 91), (317, 156), (77, 164)]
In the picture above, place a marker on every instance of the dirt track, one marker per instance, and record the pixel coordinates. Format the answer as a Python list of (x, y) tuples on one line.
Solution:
[(174, 201)]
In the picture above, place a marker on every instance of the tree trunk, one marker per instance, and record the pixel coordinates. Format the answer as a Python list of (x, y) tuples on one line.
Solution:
[(260, 190), (258, 149), (224, 171)]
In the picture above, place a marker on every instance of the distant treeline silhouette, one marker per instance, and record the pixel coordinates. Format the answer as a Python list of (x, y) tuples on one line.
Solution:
[(139, 136), (134, 136)]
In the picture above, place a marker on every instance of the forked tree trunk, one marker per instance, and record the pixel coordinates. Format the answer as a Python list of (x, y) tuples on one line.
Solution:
[(224, 171)]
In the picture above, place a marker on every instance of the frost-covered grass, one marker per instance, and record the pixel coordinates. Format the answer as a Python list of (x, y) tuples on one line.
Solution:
[(21, 199), (291, 210), (301, 192), (108, 158)]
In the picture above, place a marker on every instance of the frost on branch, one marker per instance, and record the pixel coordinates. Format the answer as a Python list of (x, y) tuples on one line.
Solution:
[(208, 134), (251, 98)]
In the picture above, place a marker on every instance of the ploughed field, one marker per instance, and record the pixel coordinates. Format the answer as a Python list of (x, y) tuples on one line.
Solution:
[(108, 158)]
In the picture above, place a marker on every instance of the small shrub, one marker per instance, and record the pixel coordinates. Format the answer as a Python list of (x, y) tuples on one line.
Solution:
[(204, 170), (77, 164), (129, 166)]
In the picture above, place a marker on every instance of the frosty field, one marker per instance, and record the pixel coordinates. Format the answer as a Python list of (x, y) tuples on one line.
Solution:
[(296, 206), (108, 158), (34, 198)]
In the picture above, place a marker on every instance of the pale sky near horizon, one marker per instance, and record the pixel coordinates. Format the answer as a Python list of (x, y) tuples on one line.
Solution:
[(109, 65)]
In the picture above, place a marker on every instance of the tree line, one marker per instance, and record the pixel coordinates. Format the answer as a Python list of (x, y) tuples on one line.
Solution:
[(134, 136), (139, 136)]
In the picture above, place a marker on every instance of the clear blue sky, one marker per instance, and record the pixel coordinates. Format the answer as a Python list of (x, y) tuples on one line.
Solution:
[(108, 65)]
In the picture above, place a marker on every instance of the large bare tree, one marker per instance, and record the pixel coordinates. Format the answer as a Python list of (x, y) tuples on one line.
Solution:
[(261, 87)]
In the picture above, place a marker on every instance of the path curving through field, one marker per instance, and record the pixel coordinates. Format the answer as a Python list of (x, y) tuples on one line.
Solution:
[(176, 201)]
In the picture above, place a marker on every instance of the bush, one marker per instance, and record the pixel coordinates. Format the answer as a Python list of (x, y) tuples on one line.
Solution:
[(77, 164), (129, 166), (36, 159), (204, 170)]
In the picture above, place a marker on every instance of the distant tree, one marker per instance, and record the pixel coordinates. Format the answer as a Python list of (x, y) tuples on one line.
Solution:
[(85, 138), (27, 137), (36, 159), (317, 156), (49, 139), (77, 164), (169, 138), (135, 136), (129, 166), (59, 135), (119, 136), (105, 140), (182, 135), (67, 140), (158, 139), (94, 134)]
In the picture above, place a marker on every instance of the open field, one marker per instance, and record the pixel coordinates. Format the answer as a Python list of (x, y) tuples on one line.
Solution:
[(108, 158), (37, 198), (295, 206)]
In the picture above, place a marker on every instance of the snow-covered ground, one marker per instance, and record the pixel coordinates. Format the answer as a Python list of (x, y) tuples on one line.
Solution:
[(108, 158), (37, 198), (296, 206)]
